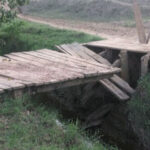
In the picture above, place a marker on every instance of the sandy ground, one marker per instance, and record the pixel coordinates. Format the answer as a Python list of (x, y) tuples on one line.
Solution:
[(105, 30)]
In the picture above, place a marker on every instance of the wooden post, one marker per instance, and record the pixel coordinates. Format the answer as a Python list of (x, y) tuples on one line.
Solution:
[(148, 37), (124, 65), (144, 64), (139, 23)]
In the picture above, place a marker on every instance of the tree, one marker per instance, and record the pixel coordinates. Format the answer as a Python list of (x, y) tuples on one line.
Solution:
[(8, 9)]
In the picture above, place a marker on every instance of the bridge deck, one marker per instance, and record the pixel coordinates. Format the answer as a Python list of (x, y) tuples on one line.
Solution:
[(118, 44), (46, 70)]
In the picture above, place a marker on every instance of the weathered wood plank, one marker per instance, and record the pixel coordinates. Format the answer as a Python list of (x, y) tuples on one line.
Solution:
[(11, 83), (124, 65), (33, 57), (117, 63), (139, 23), (43, 71), (93, 55), (74, 59), (108, 84), (114, 89), (120, 45), (122, 84)]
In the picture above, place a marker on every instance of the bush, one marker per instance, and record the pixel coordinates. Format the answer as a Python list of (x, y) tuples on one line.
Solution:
[(140, 110)]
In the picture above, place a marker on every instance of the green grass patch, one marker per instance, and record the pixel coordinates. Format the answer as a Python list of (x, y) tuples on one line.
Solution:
[(26, 125), (140, 109), (25, 36)]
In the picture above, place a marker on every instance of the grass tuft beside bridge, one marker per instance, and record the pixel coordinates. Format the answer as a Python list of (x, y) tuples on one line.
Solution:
[(21, 35)]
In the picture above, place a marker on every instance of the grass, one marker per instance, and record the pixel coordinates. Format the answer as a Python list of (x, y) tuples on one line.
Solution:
[(25, 123), (28, 125), (140, 109), (25, 36)]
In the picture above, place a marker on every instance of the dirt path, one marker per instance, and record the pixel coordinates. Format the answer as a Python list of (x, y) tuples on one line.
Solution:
[(105, 30), (127, 4)]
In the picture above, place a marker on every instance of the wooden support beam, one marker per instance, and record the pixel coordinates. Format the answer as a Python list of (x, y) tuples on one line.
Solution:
[(124, 65), (148, 38), (139, 23), (145, 64), (103, 53), (117, 63)]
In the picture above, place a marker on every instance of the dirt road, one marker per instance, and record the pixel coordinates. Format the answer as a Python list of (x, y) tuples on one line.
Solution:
[(105, 30)]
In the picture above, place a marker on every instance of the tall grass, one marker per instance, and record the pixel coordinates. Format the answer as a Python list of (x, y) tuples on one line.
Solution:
[(140, 109)]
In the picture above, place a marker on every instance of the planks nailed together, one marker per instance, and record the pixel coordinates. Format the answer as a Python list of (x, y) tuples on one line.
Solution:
[(120, 45), (115, 84), (46, 70)]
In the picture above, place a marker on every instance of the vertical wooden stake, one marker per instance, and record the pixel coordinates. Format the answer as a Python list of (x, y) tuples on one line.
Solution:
[(144, 64), (139, 23), (124, 65)]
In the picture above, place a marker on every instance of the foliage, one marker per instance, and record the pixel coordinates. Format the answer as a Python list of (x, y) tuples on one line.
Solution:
[(140, 109), (24, 36), (25, 125), (8, 9)]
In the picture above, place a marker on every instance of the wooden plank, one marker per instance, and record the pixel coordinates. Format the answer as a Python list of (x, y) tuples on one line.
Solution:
[(93, 54), (103, 53), (79, 52), (114, 89), (62, 50), (46, 63), (120, 45), (74, 59), (107, 84), (139, 23), (65, 48), (117, 63), (148, 38), (68, 83), (145, 64), (10, 83), (28, 73), (124, 65), (122, 84), (33, 56), (119, 82)]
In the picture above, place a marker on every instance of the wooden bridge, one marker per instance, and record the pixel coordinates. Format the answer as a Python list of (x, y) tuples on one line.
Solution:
[(45, 70), (117, 86)]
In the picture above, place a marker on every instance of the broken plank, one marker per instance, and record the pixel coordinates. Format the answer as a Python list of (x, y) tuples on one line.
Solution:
[(93, 54), (114, 90), (122, 84)]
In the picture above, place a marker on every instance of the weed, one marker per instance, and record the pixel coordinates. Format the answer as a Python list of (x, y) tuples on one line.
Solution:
[(24, 125)]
